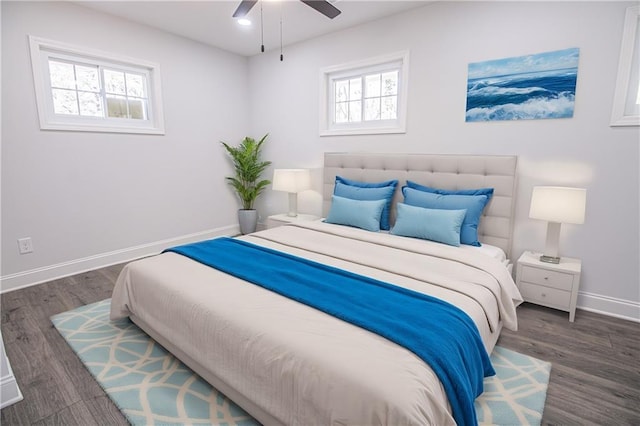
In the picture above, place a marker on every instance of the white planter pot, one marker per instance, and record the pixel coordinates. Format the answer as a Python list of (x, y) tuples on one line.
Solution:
[(248, 220)]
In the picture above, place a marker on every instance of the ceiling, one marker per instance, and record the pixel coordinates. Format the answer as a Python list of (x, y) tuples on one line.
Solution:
[(211, 22)]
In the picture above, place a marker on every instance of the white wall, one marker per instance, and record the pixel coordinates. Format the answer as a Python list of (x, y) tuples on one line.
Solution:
[(9, 391), (88, 199), (443, 38)]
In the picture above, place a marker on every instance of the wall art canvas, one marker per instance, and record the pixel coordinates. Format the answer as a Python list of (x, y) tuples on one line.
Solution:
[(523, 88)]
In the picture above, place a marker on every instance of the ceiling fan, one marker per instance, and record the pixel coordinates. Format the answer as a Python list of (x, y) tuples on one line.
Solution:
[(322, 6)]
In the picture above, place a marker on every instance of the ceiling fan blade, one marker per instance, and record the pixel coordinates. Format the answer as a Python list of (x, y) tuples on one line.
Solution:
[(244, 8), (324, 7)]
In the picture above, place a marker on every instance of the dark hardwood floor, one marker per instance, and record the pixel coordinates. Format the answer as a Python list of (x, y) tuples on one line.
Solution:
[(595, 377)]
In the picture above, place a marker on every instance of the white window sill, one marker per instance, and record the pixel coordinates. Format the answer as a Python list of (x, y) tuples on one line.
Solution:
[(102, 129), (362, 131)]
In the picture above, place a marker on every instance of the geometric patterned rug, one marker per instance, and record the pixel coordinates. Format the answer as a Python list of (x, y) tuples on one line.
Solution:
[(150, 386), (516, 394)]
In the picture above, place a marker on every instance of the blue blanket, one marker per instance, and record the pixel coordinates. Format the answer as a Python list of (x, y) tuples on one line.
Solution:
[(438, 332)]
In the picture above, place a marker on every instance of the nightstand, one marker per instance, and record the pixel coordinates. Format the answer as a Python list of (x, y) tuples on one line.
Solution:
[(281, 219), (548, 284)]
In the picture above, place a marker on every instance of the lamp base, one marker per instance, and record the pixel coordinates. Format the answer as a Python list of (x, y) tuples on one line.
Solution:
[(550, 254), (293, 204), (549, 259)]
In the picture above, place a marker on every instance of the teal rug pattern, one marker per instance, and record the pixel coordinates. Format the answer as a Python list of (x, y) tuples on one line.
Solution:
[(151, 387), (516, 394)]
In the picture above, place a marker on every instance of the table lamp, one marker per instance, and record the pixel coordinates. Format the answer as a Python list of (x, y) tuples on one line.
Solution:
[(291, 181), (557, 205)]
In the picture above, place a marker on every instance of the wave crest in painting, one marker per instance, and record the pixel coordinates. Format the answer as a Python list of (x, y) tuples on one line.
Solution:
[(523, 88)]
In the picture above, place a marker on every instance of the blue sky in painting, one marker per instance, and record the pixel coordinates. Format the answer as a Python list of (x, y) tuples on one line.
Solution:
[(560, 59)]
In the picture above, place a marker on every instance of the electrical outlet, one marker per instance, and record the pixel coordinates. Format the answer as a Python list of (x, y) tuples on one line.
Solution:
[(25, 245)]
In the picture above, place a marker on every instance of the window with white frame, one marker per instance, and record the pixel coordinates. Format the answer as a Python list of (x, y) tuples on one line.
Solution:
[(365, 97), (82, 90), (626, 101)]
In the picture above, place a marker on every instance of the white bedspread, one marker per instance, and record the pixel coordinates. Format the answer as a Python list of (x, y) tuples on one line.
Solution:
[(302, 366)]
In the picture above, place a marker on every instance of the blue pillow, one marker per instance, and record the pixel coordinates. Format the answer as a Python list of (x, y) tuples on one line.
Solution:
[(366, 184), (480, 191), (359, 213), (368, 193), (474, 204), (442, 226)]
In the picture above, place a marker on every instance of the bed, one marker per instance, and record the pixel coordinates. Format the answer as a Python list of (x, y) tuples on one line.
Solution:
[(287, 363)]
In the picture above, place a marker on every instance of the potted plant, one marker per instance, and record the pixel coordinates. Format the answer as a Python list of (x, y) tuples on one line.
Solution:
[(248, 168)]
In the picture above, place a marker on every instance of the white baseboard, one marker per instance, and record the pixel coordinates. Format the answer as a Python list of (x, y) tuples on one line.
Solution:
[(9, 391), (52, 272), (610, 306)]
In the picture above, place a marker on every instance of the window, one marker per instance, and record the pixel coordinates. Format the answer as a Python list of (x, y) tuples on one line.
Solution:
[(626, 102), (367, 97), (83, 90)]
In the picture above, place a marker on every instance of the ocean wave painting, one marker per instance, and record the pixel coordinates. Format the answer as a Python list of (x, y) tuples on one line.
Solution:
[(524, 87)]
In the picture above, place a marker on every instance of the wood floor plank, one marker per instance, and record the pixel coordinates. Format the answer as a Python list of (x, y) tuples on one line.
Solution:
[(73, 367), (105, 411), (573, 388), (75, 414), (595, 375), (40, 376), (14, 414)]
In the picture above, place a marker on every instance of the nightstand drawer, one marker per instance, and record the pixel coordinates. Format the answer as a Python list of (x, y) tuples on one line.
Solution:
[(545, 295), (558, 280)]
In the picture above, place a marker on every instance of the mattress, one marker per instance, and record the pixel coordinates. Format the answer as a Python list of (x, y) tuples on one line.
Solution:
[(287, 363)]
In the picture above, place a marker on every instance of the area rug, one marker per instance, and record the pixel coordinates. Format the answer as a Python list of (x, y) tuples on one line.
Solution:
[(150, 386)]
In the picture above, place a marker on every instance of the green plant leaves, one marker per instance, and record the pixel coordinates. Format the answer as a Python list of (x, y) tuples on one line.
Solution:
[(248, 168)]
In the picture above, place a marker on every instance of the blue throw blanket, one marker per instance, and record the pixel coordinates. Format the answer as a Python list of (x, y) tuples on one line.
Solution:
[(438, 332)]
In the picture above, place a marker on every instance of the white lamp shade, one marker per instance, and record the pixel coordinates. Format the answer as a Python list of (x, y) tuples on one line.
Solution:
[(291, 180), (558, 204)]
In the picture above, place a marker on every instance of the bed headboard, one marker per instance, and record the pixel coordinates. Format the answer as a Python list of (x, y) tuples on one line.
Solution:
[(440, 171)]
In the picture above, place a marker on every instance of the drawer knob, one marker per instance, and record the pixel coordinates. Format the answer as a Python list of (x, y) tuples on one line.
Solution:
[(543, 295)]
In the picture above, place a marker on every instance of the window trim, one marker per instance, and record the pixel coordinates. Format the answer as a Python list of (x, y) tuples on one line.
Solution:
[(626, 87), (42, 49), (357, 68)]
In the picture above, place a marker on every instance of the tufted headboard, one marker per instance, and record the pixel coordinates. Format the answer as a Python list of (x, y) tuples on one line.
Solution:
[(440, 171)]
